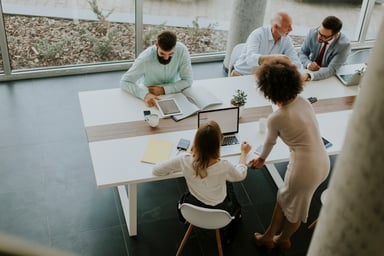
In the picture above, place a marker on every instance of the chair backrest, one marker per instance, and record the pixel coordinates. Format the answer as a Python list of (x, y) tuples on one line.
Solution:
[(204, 217), (360, 56), (236, 51)]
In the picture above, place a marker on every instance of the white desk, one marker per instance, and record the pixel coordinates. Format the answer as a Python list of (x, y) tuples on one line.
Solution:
[(116, 162), (112, 106)]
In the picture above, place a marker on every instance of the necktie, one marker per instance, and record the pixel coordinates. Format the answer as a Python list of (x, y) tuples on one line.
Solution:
[(319, 59)]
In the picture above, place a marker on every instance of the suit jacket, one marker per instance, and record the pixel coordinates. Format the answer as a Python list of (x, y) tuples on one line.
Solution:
[(334, 57)]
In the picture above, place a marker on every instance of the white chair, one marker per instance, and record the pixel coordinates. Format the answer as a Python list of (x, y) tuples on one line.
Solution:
[(360, 56), (204, 218), (323, 197), (236, 51)]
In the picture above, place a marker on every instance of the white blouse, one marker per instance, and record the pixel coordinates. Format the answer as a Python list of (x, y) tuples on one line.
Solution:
[(210, 190)]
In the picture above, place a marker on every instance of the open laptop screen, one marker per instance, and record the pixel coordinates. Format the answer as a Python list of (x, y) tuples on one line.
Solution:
[(227, 118)]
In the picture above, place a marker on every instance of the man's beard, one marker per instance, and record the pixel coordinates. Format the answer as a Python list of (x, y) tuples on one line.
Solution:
[(163, 61)]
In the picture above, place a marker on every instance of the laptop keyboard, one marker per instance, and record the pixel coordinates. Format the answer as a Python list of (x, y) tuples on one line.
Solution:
[(230, 140)]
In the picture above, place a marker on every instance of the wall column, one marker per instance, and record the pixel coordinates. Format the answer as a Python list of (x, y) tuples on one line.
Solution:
[(247, 15), (351, 220)]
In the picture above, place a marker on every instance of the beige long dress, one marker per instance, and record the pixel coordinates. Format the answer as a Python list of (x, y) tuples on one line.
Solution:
[(297, 126)]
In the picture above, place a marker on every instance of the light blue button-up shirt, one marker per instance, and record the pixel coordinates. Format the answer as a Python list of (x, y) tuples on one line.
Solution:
[(148, 71), (261, 42)]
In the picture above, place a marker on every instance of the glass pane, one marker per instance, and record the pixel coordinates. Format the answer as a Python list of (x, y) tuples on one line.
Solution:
[(57, 33), (310, 13), (201, 25), (375, 22)]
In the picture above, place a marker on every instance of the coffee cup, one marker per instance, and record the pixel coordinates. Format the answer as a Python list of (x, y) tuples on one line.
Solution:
[(153, 120)]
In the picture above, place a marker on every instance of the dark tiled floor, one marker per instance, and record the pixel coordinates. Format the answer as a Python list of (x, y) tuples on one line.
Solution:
[(48, 193)]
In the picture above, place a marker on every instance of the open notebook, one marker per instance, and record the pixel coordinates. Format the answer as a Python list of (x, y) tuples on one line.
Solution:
[(228, 120), (186, 103)]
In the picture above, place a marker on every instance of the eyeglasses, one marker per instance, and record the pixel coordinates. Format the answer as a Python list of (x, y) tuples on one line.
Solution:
[(324, 36)]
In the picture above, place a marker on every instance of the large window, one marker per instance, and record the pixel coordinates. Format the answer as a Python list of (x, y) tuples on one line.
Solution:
[(66, 33), (374, 20), (201, 25), (97, 35), (310, 13)]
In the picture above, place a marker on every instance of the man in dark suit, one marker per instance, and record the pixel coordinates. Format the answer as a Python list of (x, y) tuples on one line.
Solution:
[(324, 50)]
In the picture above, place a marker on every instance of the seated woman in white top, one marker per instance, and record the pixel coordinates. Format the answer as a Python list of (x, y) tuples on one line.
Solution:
[(207, 176)]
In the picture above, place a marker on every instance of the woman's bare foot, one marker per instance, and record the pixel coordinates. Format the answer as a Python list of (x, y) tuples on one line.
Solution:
[(261, 241), (283, 244)]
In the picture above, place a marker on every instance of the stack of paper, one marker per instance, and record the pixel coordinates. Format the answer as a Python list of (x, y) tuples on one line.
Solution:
[(157, 150)]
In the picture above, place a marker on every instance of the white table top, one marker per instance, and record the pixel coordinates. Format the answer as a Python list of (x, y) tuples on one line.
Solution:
[(117, 162), (111, 106)]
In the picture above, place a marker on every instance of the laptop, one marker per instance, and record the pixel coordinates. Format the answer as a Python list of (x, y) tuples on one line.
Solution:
[(228, 120), (351, 74)]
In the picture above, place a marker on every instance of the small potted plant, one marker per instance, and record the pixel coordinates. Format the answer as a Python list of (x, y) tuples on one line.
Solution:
[(239, 99)]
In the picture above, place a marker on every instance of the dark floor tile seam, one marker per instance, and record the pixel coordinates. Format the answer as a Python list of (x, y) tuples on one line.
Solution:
[(90, 230), (248, 197), (18, 145), (18, 191), (49, 231), (125, 238), (66, 141), (32, 144), (118, 207)]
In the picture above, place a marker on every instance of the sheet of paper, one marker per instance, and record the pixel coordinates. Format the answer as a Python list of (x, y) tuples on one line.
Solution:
[(157, 150)]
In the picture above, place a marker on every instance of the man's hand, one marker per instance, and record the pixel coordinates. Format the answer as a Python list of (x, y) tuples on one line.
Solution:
[(156, 90), (305, 77), (149, 99), (264, 58), (313, 66)]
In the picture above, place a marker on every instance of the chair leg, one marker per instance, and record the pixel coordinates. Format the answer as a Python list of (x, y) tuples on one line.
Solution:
[(184, 241), (218, 240), (313, 224)]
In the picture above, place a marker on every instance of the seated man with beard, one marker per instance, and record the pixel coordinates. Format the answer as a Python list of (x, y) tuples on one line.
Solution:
[(163, 68), (325, 49), (267, 42)]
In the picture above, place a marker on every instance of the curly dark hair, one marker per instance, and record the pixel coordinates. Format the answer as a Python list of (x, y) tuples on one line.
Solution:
[(279, 80)]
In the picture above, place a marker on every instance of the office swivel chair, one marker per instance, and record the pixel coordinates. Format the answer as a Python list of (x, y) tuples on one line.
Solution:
[(359, 56), (204, 218)]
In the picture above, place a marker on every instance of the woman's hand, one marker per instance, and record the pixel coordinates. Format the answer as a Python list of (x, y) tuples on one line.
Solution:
[(245, 147), (256, 163)]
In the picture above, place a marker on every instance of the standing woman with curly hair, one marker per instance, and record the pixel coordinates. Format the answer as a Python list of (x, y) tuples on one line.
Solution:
[(296, 124)]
